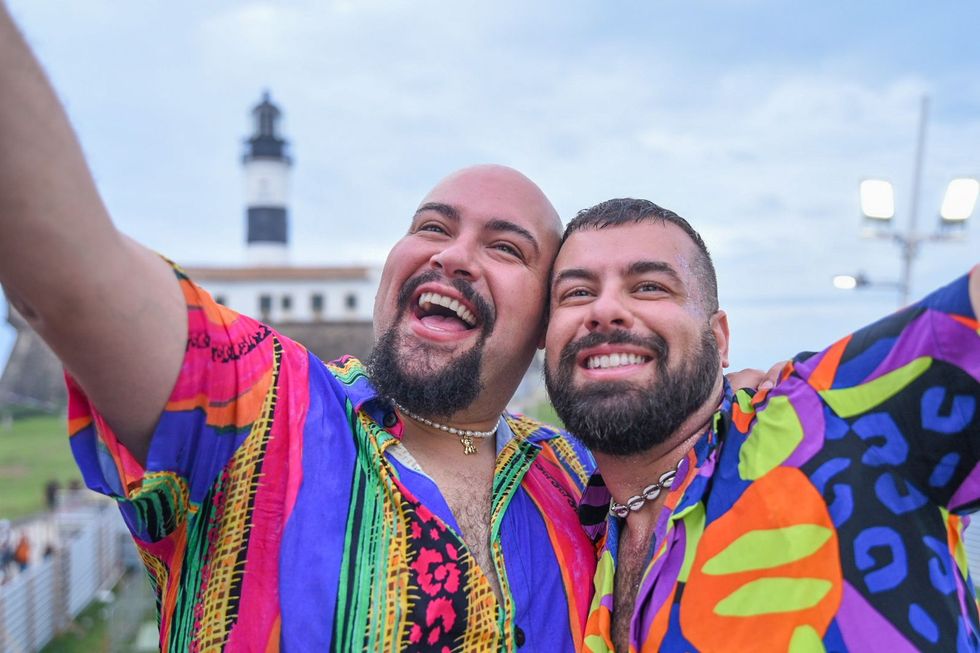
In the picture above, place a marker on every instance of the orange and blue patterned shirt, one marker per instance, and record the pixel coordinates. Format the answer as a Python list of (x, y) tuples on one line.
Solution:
[(273, 514), (826, 514)]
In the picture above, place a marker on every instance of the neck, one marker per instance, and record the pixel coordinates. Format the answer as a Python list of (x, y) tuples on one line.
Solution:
[(456, 435), (626, 476), (464, 420)]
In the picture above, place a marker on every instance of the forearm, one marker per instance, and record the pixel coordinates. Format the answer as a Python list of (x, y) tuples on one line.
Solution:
[(975, 290), (110, 308), (49, 207)]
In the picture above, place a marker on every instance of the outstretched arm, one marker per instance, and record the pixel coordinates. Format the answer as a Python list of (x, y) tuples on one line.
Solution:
[(109, 308), (975, 289)]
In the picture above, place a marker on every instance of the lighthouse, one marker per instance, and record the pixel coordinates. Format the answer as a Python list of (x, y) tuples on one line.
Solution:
[(267, 164)]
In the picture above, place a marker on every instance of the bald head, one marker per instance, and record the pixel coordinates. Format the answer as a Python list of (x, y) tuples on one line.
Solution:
[(484, 239), (501, 190)]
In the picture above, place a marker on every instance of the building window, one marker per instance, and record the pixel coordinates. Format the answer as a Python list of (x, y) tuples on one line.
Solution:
[(316, 304), (220, 299), (287, 303), (350, 301), (265, 306)]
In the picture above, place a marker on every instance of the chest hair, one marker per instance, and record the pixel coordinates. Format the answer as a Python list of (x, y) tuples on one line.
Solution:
[(470, 504), (629, 573), (634, 551), (466, 489)]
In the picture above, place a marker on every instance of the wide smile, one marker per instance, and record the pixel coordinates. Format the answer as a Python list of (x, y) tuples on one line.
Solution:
[(612, 361), (442, 314)]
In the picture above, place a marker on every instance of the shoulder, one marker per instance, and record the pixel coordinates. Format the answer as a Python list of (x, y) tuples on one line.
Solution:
[(557, 443)]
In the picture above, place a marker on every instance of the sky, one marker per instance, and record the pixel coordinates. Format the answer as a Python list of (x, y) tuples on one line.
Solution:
[(754, 119)]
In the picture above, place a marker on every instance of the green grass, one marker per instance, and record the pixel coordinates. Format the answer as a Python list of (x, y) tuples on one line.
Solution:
[(32, 452), (87, 634), (110, 627), (544, 412)]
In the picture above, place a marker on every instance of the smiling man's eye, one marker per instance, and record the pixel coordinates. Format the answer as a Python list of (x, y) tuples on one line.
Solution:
[(649, 286), (507, 248), (432, 227), (575, 293)]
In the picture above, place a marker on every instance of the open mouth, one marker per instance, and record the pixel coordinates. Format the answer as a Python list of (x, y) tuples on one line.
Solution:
[(442, 313), (607, 361)]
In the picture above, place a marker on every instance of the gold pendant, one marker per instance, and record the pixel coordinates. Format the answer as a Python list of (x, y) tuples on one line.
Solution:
[(468, 446)]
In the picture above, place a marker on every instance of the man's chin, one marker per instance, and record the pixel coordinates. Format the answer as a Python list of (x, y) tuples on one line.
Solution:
[(425, 379), (600, 393), (424, 359)]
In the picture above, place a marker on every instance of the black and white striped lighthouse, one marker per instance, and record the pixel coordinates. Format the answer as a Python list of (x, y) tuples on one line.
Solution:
[(267, 163)]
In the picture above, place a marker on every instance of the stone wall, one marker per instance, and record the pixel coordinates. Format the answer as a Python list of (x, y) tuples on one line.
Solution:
[(33, 377)]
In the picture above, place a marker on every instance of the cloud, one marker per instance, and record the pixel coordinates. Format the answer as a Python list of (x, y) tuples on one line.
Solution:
[(757, 133)]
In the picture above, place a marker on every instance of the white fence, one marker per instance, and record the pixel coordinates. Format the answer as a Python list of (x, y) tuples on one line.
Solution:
[(42, 600), (94, 550)]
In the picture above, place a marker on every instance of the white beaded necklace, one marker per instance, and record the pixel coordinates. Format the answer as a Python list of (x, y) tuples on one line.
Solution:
[(465, 435)]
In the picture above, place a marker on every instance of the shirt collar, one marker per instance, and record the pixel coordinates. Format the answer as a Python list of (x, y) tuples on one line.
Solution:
[(364, 397)]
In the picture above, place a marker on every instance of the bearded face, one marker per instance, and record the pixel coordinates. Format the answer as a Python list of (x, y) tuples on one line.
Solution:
[(623, 418), (426, 377)]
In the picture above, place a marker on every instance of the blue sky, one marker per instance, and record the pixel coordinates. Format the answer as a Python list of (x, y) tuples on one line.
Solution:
[(756, 120)]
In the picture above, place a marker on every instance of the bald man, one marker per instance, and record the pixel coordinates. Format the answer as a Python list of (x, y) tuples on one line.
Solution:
[(275, 499)]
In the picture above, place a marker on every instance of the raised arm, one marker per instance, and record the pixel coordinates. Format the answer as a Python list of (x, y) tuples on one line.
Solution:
[(975, 289), (109, 308)]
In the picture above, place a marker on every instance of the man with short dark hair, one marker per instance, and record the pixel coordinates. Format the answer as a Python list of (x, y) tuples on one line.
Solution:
[(278, 500), (822, 515)]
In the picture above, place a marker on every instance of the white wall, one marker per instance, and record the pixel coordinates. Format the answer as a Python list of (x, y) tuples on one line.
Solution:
[(244, 298)]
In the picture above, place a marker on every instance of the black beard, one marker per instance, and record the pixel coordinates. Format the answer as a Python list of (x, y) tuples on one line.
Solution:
[(620, 418), (408, 375)]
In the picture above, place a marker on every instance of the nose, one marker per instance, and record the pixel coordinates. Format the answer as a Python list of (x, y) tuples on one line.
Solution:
[(456, 260), (608, 312)]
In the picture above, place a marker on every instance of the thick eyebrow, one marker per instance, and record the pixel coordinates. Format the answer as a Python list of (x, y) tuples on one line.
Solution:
[(574, 274), (508, 226), (633, 269), (497, 224), (444, 210), (645, 267)]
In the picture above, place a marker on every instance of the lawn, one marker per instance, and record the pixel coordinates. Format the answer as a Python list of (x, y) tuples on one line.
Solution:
[(544, 412), (33, 451)]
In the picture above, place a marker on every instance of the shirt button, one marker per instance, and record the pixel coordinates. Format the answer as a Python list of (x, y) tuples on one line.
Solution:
[(518, 636), (389, 420)]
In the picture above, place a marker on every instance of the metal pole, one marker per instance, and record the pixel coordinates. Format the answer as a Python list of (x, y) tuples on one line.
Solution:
[(909, 243)]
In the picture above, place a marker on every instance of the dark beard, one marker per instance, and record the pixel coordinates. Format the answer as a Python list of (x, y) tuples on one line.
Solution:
[(619, 418), (408, 375), (409, 378)]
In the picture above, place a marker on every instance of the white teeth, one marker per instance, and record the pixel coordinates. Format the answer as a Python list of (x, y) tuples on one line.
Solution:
[(614, 360), (465, 314)]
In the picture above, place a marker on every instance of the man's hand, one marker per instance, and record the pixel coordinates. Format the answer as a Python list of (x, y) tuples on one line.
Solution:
[(756, 379)]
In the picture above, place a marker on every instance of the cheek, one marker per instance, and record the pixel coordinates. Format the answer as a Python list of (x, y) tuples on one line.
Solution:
[(556, 338), (393, 277)]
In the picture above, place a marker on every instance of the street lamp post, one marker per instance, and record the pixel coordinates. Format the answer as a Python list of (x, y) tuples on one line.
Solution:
[(878, 208)]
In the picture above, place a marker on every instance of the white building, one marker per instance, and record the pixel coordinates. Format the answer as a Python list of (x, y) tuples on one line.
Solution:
[(268, 287), (293, 294), (326, 308)]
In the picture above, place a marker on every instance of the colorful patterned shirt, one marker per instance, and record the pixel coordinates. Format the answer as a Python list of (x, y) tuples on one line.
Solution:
[(827, 514), (271, 511)]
